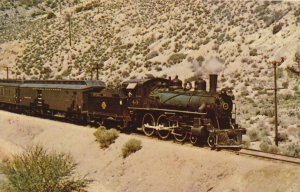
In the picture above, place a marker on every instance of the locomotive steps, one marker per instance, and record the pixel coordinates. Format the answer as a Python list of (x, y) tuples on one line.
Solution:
[(158, 166)]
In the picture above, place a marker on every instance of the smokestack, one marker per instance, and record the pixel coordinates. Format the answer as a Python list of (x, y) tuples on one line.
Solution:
[(213, 80)]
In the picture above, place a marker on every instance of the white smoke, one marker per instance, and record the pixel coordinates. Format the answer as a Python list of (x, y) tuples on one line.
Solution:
[(213, 66)]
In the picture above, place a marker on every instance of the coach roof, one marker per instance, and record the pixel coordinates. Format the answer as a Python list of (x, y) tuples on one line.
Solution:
[(53, 84)]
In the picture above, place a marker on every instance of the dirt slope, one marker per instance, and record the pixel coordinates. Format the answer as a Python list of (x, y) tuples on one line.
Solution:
[(158, 166)]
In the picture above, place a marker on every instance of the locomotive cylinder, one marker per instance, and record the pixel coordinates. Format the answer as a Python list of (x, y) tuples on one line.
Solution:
[(213, 79)]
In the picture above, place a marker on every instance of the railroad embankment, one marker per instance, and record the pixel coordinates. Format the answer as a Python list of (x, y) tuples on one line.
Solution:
[(158, 166)]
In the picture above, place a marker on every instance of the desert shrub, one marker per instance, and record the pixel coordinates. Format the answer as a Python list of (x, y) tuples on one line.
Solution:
[(125, 74), (273, 149), (30, 2), (277, 28), (131, 146), (267, 140), (38, 170), (176, 58), (244, 60), (58, 77), (87, 7), (282, 136), (106, 137), (66, 73), (151, 55), (297, 12), (246, 143), (190, 59), (253, 135), (264, 146), (200, 60), (265, 132), (292, 150), (253, 52), (158, 68), (51, 15), (37, 13), (285, 84)]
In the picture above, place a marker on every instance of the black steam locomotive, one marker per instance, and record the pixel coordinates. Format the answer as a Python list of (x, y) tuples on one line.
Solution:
[(156, 105)]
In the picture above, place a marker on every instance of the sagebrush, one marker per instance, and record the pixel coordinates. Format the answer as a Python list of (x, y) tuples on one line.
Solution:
[(37, 170), (131, 146), (106, 137)]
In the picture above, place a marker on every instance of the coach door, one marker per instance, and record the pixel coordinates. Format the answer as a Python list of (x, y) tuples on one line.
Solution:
[(17, 95), (74, 96)]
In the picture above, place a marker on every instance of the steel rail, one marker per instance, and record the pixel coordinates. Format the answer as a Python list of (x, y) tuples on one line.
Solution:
[(270, 156)]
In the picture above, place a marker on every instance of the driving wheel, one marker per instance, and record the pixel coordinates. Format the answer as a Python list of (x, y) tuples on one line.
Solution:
[(180, 134), (163, 122), (148, 119)]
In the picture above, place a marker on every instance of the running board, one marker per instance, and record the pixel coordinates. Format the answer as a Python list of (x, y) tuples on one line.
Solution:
[(159, 128), (228, 146)]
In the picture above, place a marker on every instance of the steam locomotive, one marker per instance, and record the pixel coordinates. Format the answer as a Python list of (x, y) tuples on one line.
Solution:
[(157, 106)]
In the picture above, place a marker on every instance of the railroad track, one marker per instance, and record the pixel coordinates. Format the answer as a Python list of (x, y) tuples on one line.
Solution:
[(269, 156), (244, 151)]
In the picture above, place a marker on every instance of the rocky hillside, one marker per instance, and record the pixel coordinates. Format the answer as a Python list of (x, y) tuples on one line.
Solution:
[(50, 40)]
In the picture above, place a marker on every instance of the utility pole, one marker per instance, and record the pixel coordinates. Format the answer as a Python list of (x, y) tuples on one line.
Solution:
[(7, 71), (97, 67), (70, 33), (68, 18), (275, 102), (275, 64)]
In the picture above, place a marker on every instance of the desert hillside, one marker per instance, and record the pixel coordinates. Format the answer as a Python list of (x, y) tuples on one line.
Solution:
[(158, 166), (44, 39)]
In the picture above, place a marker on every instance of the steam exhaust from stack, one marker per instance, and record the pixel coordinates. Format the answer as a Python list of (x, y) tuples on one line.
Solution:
[(213, 80)]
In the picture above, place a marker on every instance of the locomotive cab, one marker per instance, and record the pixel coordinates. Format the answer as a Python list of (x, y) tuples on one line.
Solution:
[(139, 90)]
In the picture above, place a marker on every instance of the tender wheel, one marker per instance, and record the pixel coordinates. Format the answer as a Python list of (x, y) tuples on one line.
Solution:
[(193, 139), (163, 121), (180, 134), (148, 119), (211, 141)]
